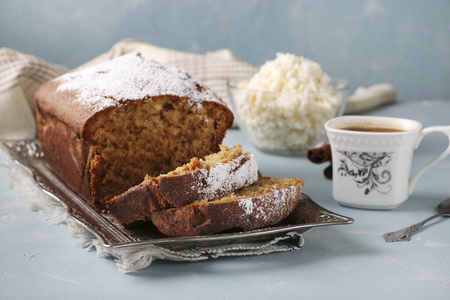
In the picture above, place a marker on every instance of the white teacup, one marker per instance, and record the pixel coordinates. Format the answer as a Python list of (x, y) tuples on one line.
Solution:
[(371, 169)]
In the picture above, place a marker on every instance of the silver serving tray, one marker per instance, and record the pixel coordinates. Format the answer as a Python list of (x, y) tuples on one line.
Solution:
[(29, 156)]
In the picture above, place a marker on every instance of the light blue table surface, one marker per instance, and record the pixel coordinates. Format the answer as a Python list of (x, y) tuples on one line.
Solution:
[(39, 260)]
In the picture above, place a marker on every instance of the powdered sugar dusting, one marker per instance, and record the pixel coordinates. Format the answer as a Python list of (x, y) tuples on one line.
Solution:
[(227, 177), (132, 77), (269, 205), (247, 204)]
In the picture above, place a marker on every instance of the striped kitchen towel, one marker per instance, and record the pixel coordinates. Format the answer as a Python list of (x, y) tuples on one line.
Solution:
[(20, 76)]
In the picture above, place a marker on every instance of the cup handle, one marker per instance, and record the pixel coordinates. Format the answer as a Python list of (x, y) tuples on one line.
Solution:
[(443, 129)]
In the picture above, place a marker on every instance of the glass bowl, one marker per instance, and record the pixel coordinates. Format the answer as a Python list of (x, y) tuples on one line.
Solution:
[(286, 123)]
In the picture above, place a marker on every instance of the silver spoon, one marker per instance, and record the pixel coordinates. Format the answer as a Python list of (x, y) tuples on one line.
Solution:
[(405, 234)]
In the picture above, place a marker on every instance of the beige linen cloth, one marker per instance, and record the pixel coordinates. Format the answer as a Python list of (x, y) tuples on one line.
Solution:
[(20, 77)]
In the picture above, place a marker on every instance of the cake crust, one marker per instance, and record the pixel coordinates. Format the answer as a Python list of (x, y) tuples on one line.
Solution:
[(248, 211), (235, 172)]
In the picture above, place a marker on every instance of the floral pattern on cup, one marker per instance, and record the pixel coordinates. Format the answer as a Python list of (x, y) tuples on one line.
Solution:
[(368, 170), (375, 167)]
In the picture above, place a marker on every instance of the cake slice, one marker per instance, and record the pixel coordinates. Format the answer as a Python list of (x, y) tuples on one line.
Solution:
[(216, 175), (262, 204)]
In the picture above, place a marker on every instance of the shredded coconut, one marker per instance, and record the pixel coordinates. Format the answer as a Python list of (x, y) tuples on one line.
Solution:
[(132, 77), (287, 103)]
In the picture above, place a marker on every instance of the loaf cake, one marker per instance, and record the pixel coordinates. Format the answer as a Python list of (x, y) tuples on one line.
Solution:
[(102, 129), (262, 204), (216, 175)]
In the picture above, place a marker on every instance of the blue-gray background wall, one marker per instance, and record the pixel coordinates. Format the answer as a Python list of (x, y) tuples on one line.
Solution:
[(405, 42)]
